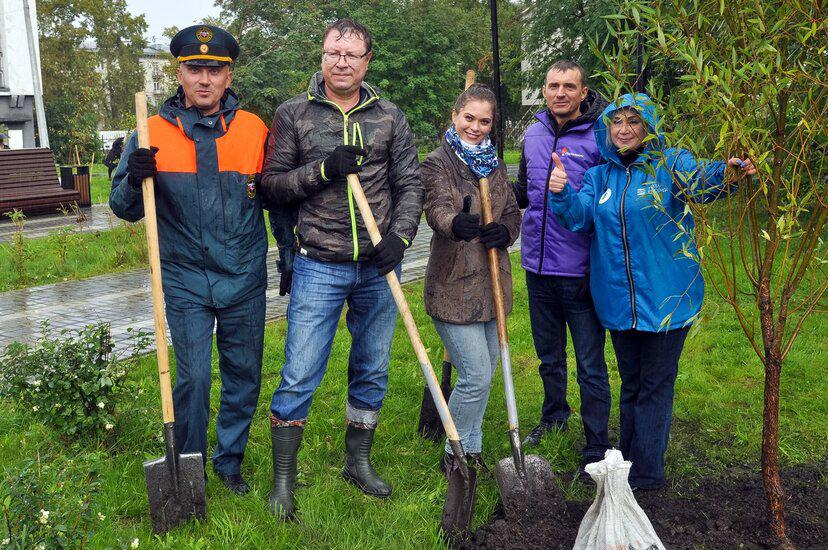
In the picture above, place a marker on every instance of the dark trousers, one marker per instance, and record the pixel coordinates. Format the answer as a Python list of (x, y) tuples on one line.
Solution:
[(648, 365), (240, 341), (555, 303)]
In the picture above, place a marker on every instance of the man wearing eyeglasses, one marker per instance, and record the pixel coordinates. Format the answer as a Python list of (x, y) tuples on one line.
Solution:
[(340, 126)]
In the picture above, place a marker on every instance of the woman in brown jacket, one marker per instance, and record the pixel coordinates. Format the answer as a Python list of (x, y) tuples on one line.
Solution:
[(458, 290)]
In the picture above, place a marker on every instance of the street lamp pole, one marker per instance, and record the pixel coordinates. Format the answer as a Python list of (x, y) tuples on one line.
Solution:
[(34, 58), (496, 76)]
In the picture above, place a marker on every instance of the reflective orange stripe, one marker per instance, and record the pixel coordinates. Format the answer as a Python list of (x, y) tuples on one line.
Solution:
[(240, 149), (176, 152)]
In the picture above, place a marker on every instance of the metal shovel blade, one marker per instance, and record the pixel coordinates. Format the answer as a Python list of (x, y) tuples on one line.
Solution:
[(521, 491), (455, 523), (170, 505)]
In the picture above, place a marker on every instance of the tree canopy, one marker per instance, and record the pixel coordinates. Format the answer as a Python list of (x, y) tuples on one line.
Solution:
[(422, 49), (82, 87)]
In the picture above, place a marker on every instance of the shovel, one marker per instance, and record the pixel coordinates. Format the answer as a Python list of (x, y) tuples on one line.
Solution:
[(523, 480), (175, 483), (430, 425), (462, 478)]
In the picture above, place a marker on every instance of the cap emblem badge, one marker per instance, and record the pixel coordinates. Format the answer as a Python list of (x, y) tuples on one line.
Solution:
[(204, 34)]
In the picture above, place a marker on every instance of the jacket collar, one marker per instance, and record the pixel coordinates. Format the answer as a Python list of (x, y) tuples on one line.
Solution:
[(316, 92), (174, 111), (591, 108)]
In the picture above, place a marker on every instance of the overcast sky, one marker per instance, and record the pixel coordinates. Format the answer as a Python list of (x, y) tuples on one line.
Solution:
[(168, 13)]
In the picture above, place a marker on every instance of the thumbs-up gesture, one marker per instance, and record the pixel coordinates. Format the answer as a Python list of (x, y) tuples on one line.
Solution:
[(557, 179)]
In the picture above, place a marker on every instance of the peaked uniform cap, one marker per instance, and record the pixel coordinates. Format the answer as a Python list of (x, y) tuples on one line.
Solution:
[(204, 45)]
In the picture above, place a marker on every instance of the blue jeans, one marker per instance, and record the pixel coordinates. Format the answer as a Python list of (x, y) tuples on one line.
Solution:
[(648, 365), (554, 303), (318, 293), (240, 341), (474, 351)]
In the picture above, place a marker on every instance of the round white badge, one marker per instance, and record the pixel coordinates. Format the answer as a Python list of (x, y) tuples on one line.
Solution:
[(605, 197)]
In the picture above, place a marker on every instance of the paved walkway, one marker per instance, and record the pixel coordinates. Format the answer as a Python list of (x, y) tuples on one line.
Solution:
[(98, 217), (124, 300)]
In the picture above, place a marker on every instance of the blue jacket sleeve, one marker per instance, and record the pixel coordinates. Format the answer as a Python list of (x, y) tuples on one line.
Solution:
[(126, 201), (573, 210), (700, 180)]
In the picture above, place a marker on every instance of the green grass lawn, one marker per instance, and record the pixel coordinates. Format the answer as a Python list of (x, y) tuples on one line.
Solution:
[(100, 186), (717, 425), (84, 255)]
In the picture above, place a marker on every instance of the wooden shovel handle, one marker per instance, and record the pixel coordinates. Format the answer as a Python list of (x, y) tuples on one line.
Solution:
[(151, 225), (405, 313), (494, 265), (502, 332), (470, 76)]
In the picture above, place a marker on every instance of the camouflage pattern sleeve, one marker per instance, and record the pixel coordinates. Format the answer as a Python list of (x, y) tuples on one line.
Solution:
[(284, 180), (404, 180)]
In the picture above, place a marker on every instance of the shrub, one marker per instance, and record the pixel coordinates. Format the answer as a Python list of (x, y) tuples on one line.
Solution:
[(71, 382), (49, 506)]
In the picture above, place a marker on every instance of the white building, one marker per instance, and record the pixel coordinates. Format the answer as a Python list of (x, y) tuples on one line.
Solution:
[(158, 81), (16, 83)]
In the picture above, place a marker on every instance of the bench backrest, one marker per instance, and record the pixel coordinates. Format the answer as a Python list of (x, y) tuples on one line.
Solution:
[(27, 171)]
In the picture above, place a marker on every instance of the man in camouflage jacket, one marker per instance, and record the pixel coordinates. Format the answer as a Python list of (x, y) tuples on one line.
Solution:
[(339, 126)]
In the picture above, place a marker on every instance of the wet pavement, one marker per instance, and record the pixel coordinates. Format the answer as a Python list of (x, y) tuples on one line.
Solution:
[(98, 217), (124, 300)]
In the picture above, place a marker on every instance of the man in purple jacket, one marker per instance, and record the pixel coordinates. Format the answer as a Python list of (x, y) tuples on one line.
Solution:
[(556, 260)]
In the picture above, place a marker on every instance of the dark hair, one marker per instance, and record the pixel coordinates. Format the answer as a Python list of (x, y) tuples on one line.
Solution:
[(566, 65), (476, 92), (349, 26)]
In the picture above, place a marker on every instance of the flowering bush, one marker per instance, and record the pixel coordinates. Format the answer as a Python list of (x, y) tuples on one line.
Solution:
[(71, 382), (49, 506)]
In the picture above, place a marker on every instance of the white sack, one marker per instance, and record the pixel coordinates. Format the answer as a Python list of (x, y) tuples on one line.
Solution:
[(615, 521)]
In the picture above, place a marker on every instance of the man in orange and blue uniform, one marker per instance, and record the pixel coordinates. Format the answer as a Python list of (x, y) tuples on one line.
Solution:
[(206, 157)]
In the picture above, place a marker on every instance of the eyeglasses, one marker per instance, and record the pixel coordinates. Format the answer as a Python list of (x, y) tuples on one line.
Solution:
[(332, 58)]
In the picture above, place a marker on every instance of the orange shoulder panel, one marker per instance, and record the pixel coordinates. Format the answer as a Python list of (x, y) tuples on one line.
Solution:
[(241, 149), (176, 152)]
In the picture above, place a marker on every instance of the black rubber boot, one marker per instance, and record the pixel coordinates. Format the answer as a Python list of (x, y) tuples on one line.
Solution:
[(286, 441), (358, 469)]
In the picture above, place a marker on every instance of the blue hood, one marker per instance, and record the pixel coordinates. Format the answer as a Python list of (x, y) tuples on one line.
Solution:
[(645, 106)]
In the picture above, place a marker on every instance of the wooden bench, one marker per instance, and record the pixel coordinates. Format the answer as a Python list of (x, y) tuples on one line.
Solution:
[(29, 182)]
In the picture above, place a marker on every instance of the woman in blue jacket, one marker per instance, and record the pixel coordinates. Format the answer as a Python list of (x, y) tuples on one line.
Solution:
[(645, 279)]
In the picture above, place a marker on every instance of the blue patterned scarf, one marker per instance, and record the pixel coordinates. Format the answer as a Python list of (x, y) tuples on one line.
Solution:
[(482, 159)]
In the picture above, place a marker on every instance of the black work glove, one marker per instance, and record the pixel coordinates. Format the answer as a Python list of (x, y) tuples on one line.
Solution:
[(494, 235), (141, 165), (466, 226), (285, 279), (343, 161), (387, 254), (285, 265)]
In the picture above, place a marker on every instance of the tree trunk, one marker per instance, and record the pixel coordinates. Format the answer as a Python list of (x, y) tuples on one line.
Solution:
[(770, 424)]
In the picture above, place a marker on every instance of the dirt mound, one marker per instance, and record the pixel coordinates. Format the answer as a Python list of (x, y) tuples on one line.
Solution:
[(723, 512)]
